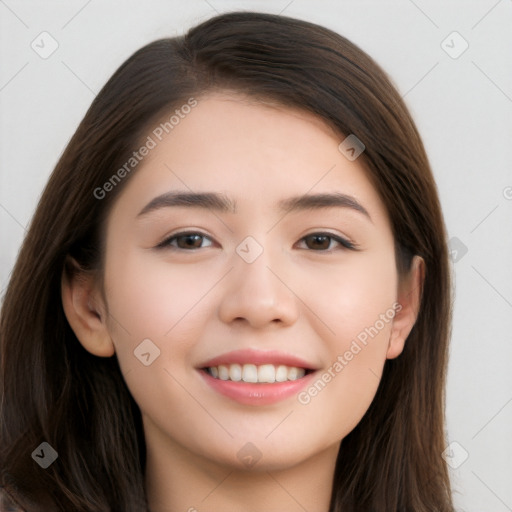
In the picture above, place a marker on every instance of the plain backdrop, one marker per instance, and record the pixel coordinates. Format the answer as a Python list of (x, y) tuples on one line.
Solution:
[(461, 99)]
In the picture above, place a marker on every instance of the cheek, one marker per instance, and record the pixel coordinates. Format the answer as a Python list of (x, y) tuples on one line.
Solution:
[(352, 296), (168, 304), (344, 389), (158, 312), (150, 296), (355, 312)]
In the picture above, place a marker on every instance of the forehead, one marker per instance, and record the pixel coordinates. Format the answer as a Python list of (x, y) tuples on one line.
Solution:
[(252, 151)]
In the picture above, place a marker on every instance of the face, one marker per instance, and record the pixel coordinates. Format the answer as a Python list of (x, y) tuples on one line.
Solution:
[(247, 247)]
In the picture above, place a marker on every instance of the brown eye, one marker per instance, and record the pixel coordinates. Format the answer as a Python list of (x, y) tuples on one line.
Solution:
[(186, 241), (325, 242), (318, 242), (189, 241)]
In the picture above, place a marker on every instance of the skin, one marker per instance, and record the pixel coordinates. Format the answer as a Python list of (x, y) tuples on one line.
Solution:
[(201, 303)]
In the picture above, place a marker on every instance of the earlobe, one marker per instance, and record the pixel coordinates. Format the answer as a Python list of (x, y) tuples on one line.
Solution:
[(408, 306), (85, 311)]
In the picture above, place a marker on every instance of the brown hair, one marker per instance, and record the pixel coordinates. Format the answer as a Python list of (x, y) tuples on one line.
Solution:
[(53, 390)]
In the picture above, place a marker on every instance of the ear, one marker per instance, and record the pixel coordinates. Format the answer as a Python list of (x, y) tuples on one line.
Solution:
[(85, 310), (409, 301)]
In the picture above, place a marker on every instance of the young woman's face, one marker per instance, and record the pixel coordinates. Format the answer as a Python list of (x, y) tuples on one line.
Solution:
[(266, 254)]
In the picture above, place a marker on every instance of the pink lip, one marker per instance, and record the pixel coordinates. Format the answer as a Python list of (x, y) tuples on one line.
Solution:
[(258, 357), (256, 394)]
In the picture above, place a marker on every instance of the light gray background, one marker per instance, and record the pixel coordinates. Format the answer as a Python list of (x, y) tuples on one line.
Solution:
[(462, 106)]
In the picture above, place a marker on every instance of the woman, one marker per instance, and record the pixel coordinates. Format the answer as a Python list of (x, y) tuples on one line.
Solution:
[(235, 292)]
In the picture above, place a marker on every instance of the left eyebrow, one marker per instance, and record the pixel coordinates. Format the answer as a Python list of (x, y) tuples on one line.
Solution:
[(319, 201)]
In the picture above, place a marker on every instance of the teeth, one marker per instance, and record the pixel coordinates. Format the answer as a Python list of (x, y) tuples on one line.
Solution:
[(266, 373), (223, 372), (249, 373), (281, 373), (235, 372), (293, 374)]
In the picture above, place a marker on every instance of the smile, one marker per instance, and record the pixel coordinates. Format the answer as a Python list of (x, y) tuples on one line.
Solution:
[(255, 377)]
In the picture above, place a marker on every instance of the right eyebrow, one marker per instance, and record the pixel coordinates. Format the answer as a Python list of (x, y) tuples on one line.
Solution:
[(208, 200)]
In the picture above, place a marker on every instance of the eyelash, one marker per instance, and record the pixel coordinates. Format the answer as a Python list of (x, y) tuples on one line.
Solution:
[(343, 242)]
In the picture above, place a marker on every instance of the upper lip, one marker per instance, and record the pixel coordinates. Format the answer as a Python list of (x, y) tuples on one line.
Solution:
[(258, 357)]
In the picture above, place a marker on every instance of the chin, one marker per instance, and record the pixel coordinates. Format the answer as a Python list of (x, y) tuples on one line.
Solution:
[(261, 458)]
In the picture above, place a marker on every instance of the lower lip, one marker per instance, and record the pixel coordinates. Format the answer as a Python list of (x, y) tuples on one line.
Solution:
[(248, 393)]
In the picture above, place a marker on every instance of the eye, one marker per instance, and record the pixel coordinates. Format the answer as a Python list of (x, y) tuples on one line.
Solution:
[(186, 241), (325, 242)]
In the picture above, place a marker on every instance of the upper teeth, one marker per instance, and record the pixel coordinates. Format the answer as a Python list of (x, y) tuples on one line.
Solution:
[(253, 373)]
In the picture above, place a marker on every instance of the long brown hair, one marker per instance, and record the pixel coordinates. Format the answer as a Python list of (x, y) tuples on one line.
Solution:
[(53, 390)]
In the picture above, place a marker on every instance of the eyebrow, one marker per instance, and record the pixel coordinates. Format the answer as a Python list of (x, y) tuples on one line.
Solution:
[(221, 203), (319, 201), (207, 200)]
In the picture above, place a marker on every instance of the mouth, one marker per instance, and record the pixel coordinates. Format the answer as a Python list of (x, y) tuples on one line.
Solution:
[(253, 377)]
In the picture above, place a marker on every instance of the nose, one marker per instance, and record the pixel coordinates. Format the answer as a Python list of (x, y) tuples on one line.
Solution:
[(258, 294)]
